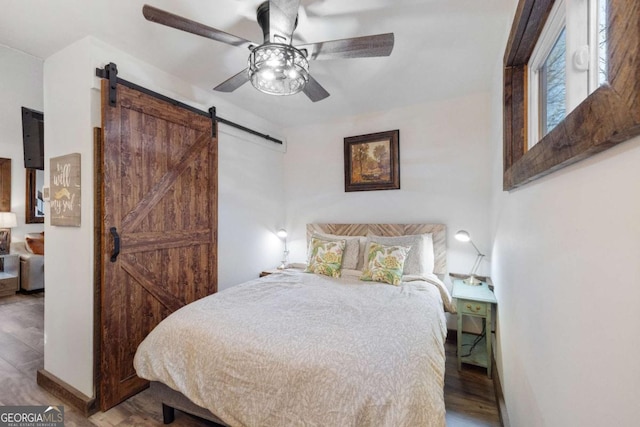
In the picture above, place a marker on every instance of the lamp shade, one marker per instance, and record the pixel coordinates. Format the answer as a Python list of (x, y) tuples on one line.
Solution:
[(8, 220), (463, 236), (278, 69), (282, 233)]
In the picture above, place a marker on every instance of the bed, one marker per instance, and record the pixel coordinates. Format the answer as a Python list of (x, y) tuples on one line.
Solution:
[(297, 348)]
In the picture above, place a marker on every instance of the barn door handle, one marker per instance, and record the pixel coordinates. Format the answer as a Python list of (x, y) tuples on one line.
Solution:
[(116, 244)]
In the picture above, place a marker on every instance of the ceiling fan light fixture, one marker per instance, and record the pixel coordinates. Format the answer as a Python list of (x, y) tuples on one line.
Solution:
[(278, 69)]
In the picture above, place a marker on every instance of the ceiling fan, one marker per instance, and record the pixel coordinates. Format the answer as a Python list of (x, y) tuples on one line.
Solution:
[(276, 66)]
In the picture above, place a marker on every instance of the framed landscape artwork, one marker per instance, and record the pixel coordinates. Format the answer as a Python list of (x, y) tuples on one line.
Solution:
[(372, 162)]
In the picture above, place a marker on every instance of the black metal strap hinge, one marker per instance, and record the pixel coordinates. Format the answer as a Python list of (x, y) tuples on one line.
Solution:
[(110, 72), (214, 119)]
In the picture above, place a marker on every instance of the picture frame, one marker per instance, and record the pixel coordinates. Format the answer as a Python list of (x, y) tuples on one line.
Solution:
[(372, 161)]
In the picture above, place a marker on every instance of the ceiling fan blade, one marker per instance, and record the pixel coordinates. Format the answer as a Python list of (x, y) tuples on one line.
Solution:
[(357, 47), (169, 19), (283, 15), (314, 91), (234, 82)]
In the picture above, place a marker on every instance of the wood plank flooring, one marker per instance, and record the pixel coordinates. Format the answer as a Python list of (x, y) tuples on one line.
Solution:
[(469, 394)]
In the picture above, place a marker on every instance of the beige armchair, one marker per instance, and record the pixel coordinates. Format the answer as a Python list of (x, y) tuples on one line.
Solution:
[(31, 267)]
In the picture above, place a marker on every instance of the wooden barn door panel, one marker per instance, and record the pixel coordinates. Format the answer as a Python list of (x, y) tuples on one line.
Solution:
[(160, 193)]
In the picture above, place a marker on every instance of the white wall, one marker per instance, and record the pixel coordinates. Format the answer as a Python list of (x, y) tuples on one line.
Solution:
[(249, 169), (444, 177), (566, 268), (20, 86), (444, 168), (68, 318), (250, 206)]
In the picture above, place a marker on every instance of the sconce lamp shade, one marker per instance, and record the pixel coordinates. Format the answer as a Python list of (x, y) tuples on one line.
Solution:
[(8, 220), (463, 236), (282, 233)]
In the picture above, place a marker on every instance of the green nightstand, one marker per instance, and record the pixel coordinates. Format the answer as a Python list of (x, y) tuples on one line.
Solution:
[(476, 301)]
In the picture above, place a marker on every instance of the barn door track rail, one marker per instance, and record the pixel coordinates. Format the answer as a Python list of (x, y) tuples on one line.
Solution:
[(110, 72)]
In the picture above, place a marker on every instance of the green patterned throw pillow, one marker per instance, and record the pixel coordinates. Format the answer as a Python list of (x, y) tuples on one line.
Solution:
[(325, 257), (385, 263)]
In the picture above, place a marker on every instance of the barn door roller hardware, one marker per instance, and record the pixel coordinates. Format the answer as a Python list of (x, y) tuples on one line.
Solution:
[(110, 72), (219, 119)]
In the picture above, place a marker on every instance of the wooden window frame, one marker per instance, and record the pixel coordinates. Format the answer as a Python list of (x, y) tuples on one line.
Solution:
[(608, 116), (536, 82)]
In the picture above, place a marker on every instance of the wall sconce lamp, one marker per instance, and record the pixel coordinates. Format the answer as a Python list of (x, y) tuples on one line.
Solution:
[(464, 236), (8, 220), (282, 234)]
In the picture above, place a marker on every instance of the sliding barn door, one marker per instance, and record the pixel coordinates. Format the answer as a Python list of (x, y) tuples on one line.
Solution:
[(159, 191)]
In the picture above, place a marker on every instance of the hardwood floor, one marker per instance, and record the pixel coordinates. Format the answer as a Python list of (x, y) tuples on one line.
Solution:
[(469, 394)]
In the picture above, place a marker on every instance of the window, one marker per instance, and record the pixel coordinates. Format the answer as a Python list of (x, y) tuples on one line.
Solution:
[(560, 68), (600, 41), (608, 111), (552, 75)]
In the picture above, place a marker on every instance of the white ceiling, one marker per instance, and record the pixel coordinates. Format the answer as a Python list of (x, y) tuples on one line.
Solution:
[(443, 48)]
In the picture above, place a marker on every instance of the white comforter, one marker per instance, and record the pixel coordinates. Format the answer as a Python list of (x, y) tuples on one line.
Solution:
[(296, 349)]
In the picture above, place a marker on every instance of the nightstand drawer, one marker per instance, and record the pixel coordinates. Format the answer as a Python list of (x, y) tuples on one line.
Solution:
[(472, 307)]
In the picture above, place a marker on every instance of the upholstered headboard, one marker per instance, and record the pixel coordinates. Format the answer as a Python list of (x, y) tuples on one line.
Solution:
[(438, 231)]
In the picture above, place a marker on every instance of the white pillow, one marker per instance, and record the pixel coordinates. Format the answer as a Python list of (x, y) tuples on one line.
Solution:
[(420, 260), (351, 253)]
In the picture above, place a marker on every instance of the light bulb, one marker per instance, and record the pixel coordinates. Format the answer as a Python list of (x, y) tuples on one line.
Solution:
[(463, 236), (268, 74)]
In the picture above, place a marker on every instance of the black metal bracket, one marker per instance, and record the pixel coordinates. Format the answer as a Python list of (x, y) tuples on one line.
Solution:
[(110, 72), (214, 119)]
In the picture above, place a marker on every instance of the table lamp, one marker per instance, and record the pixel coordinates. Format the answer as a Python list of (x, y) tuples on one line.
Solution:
[(282, 233), (464, 236)]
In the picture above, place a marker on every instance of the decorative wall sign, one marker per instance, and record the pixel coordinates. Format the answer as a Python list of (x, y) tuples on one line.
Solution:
[(372, 162), (64, 181)]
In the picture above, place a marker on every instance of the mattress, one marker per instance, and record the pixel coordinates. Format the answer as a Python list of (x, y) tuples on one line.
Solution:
[(296, 348)]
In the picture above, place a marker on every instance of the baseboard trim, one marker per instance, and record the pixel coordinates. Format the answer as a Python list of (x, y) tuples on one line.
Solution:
[(54, 385), (497, 386)]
